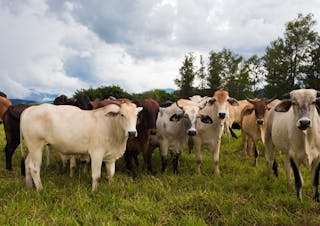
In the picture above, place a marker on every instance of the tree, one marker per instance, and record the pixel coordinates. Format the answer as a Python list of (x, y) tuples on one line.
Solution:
[(312, 79), (187, 76), (104, 92), (256, 73), (288, 60), (230, 75), (215, 68)]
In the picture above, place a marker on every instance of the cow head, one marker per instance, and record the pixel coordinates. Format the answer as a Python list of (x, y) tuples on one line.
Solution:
[(303, 104), (221, 102), (148, 116), (260, 107), (189, 111), (126, 113)]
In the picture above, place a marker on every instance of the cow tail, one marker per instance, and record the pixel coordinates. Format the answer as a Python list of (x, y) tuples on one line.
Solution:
[(22, 164)]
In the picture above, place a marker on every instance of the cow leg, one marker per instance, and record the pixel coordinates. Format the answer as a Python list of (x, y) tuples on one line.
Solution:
[(287, 168), (216, 150), (33, 164), (164, 154), (269, 155), (256, 153), (315, 180), (297, 178), (110, 166), (147, 156), (275, 168), (9, 150), (175, 162), (73, 165), (48, 155), (136, 160), (96, 163), (128, 160), (190, 144), (197, 145), (29, 183), (245, 144)]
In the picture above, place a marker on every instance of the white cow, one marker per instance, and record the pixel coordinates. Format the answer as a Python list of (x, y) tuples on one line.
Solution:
[(174, 125), (101, 133), (294, 128), (209, 134)]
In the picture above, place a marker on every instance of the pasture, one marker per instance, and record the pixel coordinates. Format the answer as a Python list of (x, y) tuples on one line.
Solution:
[(242, 195)]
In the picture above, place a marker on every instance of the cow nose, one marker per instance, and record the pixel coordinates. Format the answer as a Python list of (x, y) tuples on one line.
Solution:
[(153, 131), (304, 124), (192, 132), (132, 134), (260, 122), (222, 115)]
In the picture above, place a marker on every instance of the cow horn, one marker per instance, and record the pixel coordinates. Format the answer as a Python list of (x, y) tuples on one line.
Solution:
[(270, 100), (179, 106), (286, 96), (249, 100)]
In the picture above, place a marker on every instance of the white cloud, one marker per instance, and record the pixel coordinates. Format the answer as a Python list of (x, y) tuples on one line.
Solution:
[(59, 46)]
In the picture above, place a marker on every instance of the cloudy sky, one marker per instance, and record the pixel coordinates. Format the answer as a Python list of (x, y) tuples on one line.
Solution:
[(58, 46)]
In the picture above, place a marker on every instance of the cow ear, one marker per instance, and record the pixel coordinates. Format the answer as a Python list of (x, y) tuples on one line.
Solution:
[(211, 101), (283, 106), (206, 119), (248, 111), (112, 114), (175, 118), (318, 103), (233, 102)]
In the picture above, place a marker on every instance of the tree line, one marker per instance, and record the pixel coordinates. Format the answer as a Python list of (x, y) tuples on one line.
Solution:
[(289, 62)]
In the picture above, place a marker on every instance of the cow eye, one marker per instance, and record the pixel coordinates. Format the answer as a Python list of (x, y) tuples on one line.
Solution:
[(122, 115), (314, 102)]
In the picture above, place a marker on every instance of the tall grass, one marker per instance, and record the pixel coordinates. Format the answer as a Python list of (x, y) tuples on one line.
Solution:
[(242, 195)]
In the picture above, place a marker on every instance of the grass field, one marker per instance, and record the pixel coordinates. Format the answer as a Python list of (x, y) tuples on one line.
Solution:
[(242, 195)]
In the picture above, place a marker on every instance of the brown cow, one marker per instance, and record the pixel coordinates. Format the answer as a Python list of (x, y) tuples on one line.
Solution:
[(253, 124), (4, 104), (11, 123), (146, 125)]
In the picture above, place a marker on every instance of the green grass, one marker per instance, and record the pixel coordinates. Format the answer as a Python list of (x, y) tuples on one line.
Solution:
[(242, 195)]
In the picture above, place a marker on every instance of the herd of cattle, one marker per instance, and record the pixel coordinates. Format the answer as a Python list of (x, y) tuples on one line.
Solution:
[(105, 130)]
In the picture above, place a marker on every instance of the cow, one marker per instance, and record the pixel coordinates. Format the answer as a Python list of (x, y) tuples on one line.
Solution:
[(293, 127), (146, 126), (11, 124), (209, 134), (174, 125), (4, 104), (253, 125), (101, 133)]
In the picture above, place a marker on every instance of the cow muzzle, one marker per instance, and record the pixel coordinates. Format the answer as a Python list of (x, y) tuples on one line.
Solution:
[(260, 122), (153, 131), (304, 123), (132, 134), (222, 115), (192, 133)]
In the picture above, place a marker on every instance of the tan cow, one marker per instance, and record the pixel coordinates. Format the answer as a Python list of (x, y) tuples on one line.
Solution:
[(101, 133), (209, 134), (253, 125), (293, 128)]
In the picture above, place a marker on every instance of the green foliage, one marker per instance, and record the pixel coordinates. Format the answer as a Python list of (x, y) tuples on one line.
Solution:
[(290, 60), (187, 76), (104, 92), (242, 195), (215, 68), (157, 94)]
